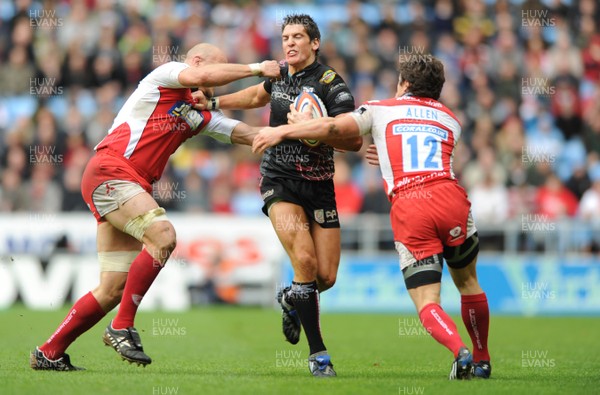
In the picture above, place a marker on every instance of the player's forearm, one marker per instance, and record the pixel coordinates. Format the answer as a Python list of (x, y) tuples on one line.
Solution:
[(346, 144), (244, 134), (314, 129), (243, 100), (219, 74)]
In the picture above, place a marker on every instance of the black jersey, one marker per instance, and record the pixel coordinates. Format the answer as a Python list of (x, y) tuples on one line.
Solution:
[(293, 158)]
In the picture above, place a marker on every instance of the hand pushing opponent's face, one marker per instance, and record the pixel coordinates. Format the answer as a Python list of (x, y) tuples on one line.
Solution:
[(299, 50)]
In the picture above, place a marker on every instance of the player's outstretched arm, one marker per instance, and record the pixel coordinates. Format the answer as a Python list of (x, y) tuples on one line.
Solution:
[(252, 97), (229, 131), (353, 143), (223, 73), (244, 134), (317, 129)]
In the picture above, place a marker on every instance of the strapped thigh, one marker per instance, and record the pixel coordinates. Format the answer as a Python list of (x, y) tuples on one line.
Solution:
[(460, 256), (116, 261), (423, 271)]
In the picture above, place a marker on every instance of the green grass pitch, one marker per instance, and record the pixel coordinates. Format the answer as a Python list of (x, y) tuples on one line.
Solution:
[(229, 350)]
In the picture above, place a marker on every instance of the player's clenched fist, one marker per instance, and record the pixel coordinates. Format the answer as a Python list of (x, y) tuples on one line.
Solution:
[(270, 68), (200, 100), (266, 138)]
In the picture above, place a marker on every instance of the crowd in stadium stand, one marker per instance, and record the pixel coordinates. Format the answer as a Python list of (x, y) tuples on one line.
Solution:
[(522, 76)]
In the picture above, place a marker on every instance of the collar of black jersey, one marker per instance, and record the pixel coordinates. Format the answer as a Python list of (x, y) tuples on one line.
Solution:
[(311, 67)]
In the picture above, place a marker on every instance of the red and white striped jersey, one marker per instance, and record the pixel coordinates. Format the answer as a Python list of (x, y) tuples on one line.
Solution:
[(157, 118), (415, 139)]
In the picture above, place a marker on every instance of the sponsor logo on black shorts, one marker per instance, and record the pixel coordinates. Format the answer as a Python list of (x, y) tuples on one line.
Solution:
[(329, 216), (320, 216)]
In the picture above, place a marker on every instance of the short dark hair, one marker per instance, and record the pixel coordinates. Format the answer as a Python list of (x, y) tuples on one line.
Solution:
[(305, 20), (425, 74)]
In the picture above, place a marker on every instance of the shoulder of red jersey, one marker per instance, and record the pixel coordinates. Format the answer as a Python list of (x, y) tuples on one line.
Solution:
[(385, 102), (166, 74), (412, 100)]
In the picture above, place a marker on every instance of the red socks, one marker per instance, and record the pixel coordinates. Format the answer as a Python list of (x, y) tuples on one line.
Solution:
[(84, 314), (142, 273), (441, 327), (476, 316)]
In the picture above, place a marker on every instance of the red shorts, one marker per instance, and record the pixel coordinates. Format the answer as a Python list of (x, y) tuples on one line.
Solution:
[(106, 166), (424, 220)]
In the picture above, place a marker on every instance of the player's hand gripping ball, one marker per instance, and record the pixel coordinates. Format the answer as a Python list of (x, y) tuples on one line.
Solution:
[(308, 102)]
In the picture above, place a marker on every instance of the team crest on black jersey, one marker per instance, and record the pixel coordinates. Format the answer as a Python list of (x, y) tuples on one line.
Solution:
[(327, 77)]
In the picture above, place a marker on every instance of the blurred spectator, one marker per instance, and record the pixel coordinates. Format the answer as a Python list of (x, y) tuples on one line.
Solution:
[(220, 196), (443, 15), (554, 200), (592, 135), (71, 195), (564, 59), (566, 107), (11, 192), (42, 193), (476, 173), (348, 196), (16, 76), (489, 201), (374, 198), (509, 141), (579, 182), (544, 142), (591, 60), (246, 199), (589, 208), (195, 200), (589, 212)]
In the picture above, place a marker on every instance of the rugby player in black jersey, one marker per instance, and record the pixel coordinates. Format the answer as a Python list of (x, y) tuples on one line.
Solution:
[(297, 181)]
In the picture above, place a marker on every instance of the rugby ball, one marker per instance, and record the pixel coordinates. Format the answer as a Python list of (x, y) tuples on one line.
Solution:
[(308, 102)]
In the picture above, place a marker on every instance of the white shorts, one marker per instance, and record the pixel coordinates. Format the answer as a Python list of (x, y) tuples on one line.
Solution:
[(111, 195)]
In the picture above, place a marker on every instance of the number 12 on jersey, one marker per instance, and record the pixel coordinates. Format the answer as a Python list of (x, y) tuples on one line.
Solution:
[(421, 152)]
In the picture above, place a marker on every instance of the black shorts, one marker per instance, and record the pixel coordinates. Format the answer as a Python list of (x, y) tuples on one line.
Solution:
[(317, 198)]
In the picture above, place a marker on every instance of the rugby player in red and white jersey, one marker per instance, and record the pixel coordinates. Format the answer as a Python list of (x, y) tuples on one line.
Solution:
[(134, 236), (415, 136)]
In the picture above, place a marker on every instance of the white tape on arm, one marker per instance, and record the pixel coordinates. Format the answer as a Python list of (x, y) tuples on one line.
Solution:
[(220, 127), (255, 68), (364, 118)]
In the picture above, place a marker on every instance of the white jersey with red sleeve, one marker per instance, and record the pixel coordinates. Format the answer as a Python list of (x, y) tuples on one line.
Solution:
[(415, 139), (157, 118)]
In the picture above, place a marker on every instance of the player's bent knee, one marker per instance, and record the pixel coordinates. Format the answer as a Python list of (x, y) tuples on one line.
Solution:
[(326, 282), (164, 237), (461, 256), (423, 272), (137, 226), (306, 259), (160, 239)]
